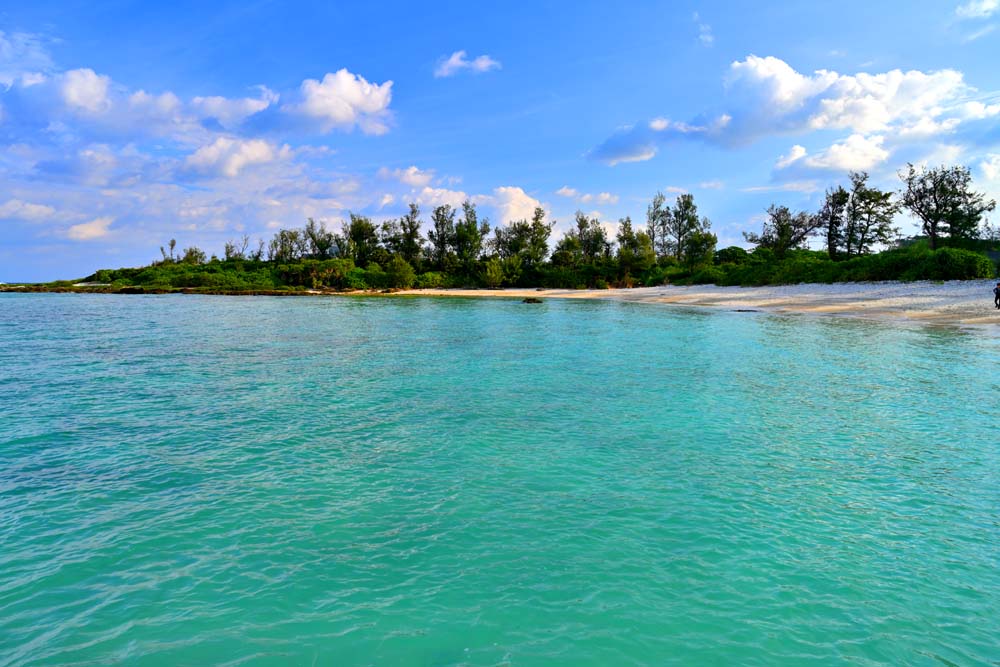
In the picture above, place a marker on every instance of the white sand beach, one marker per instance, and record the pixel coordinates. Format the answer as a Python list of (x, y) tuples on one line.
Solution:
[(952, 302)]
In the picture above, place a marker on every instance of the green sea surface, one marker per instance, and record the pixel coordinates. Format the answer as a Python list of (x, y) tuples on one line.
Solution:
[(199, 481)]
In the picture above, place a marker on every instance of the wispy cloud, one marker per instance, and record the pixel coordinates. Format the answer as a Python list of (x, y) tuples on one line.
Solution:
[(705, 35), (459, 62)]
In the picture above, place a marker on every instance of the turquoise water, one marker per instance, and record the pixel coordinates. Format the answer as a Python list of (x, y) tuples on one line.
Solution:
[(266, 481)]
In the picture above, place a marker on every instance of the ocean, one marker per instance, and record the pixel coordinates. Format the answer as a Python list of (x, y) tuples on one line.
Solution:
[(196, 480)]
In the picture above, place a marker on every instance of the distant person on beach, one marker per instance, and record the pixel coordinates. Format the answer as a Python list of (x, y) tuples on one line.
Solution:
[(996, 296)]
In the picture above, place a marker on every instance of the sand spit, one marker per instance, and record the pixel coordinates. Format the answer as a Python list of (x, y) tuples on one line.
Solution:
[(952, 302)]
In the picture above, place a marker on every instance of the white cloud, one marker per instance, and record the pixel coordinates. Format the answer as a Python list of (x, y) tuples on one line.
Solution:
[(15, 209), (856, 153), (84, 89), (344, 100), (600, 198), (990, 167), (767, 97), (228, 156), (705, 35), (514, 204), (88, 231), (441, 197), (231, 112), (22, 57), (458, 61), (712, 185), (411, 176), (794, 155), (977, 9), (587, 198), (982, 32), (386, 200)]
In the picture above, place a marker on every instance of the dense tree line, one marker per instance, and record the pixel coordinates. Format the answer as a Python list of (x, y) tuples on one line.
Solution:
[(461, 248)]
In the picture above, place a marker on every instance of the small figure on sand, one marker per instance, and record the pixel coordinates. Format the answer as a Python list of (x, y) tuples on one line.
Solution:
[(996, 296)]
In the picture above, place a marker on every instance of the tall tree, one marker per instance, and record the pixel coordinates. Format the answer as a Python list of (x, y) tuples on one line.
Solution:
[(784, 230), (635, 250), (321, 242), (681, 222), (524, 239), (657, 215), (442, 234), (832, 219), (943, 200), (359, 240), (470, 234), (868, 216), (410, 240)]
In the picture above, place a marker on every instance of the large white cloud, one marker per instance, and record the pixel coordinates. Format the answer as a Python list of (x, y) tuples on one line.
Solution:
[(344, 100), (85, 89), (766, 97), (856, 153), (513, 203), (229, 156)]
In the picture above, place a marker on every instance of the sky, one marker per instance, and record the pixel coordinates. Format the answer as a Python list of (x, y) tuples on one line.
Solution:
[(126, 124)]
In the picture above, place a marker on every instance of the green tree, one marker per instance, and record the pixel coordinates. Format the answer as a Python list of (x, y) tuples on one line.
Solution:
[(470, 234), (783, 230), (194, 255), (832, 220), (410, 241), (524, 239), (493, 273), (681, 222), (943, 200), (635, 250), (699, 249), (400, 273), (359, 241), (287, 245), (442, 234), (657, 216), (868, 217), (320, 241)]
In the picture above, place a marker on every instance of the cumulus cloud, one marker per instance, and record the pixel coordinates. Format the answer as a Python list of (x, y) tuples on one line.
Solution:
[(344, 100), (84, 89), (459, 62), (432, 197), (15, 209), (767, 97), (229, 156), (856, 153), (88, 231), (411, 176), (977, 9), (513, 204)]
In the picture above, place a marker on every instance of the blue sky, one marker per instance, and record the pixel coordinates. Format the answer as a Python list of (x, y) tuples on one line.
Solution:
[(126, 124)]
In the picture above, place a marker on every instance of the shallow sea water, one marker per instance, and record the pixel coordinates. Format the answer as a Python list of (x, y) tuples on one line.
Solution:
[(368, 481)]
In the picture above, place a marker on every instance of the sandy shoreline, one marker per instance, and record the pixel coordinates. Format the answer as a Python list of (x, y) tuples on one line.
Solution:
[(952, 302)]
